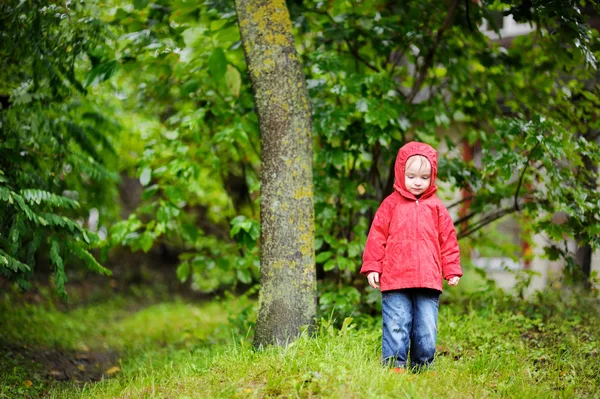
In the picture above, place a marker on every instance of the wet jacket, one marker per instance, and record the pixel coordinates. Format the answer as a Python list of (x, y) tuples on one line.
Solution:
[(412, 242)]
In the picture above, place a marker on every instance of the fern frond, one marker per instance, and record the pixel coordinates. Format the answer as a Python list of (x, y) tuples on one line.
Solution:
[(55, 220), (13, 235), (55, 254), (5, 195), (33, 246), (79, 136), (87, 258), (101, 139), (60, 278), (52, 219), (108, 125), (11, 263), (25, 208), (38, 196), (92, 168), (95, 116)]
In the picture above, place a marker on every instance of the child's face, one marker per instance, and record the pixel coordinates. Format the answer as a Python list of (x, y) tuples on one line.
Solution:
[(417, 174)]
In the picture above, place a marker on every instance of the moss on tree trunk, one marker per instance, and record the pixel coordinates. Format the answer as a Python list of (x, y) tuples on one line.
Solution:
[(287, 300)]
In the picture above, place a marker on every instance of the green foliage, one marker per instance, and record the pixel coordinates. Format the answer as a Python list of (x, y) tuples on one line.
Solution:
[(173, 74), (57, 153), (379, 74), (379, 77), (196, 147)]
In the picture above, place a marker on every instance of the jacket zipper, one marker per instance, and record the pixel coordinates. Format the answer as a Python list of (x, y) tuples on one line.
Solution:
[(418, 237)]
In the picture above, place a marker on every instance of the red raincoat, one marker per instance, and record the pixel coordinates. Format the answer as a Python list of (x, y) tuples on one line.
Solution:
[(412, 242)]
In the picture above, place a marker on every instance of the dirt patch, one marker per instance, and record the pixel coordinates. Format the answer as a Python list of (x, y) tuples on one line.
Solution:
[(50, 364)]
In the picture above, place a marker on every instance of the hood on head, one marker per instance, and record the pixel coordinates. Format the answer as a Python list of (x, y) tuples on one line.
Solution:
[(406, 151)]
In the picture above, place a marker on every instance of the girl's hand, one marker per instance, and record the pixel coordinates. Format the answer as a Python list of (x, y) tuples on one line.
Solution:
[(373, 279), (453, 281)]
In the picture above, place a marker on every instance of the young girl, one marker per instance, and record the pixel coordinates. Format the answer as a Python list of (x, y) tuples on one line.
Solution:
[(411, 246)]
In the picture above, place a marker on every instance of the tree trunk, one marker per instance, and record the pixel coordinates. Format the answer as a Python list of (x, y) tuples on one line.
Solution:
[(287, 300)]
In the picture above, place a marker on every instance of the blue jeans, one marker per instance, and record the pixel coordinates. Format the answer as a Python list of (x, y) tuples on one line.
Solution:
[(409, 320)]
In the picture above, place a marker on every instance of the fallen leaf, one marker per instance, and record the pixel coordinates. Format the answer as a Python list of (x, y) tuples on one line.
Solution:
[(113, 370)]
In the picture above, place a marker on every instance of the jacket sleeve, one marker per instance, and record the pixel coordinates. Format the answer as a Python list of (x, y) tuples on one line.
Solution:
[(449, 246), (376, 241)]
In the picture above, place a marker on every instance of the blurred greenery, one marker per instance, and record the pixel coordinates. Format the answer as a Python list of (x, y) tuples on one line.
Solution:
[(130, 126)]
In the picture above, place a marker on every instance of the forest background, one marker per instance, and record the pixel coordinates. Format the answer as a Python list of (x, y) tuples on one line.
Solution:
[(131, 149)]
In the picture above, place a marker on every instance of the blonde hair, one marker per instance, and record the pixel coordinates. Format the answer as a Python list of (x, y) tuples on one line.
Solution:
[(424, 162)]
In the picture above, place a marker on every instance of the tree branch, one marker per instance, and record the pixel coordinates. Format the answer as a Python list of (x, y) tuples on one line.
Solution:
[(485, 221), (353, 49), (457, 203), (523, 175), (429, 58), (465, 218)]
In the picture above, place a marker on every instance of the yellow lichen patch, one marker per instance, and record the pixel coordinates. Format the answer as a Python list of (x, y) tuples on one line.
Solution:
[(307, 244), (303, 192), (276, 38), (277, 265), (268, 64), (272, 20)]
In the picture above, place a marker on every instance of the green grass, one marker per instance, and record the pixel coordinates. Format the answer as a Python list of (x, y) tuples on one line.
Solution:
[(545, 349)]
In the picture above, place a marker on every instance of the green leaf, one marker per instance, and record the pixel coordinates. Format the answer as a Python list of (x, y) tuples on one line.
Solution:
[(39, 196), (119, 230), (345, 263), (146, 241), (217, 64), (149, 192), (100, 73), (189, 232), (145, 176), (192, 34), (254, 231), (183, 271), (5, 194), (12, 263), (354, 249), (88, 258), (329, 265), (323, 256), (234, 80), (189, 87), (174, 194), (140, 4), (55, 254), (244, 276)]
